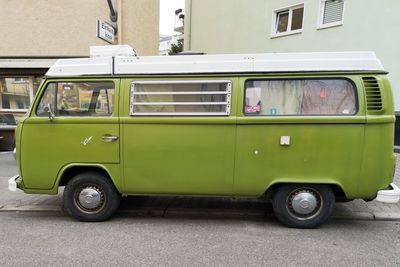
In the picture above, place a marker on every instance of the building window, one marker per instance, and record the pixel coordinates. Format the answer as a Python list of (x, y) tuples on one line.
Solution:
[(16, 95), (300, 97), (180, 98), (288, 21), (331, 13)]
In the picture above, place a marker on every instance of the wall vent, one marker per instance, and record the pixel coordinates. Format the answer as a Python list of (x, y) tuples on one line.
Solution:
[(373, 94)]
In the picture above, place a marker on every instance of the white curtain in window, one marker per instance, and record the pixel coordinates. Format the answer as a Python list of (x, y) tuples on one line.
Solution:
[(281, 97)]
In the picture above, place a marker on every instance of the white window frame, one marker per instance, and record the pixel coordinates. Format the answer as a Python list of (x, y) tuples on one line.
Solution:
[(228, 94), (20, 81), (274, 24), (321, 24)]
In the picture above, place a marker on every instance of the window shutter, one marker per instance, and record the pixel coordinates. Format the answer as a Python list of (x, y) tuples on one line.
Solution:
[(333, 11)]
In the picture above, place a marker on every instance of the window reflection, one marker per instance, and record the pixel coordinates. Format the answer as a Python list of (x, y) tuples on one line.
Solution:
[(16, 95)]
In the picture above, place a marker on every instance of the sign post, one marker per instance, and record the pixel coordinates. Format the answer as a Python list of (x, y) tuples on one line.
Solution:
[(105, 31)]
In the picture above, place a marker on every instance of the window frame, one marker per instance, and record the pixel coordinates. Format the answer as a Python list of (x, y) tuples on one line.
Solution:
[(20, 80), (356, 97), (228, 102), (55, 111), (275, 14), (321, 13)]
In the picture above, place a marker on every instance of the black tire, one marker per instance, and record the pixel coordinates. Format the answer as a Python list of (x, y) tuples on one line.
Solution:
[(91, 197), (303, 206)]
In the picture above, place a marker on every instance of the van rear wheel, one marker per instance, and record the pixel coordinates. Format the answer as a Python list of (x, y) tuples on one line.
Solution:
[(91, 197), (303, 206)]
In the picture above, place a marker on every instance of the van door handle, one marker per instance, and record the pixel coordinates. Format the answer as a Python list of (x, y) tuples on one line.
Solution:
[(109, 138)]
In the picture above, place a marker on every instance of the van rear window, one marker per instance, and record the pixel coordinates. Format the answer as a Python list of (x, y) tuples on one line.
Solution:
[(180, 98), (300, 97)]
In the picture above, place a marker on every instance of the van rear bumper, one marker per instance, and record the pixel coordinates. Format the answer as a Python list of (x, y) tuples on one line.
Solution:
[(390, 195)]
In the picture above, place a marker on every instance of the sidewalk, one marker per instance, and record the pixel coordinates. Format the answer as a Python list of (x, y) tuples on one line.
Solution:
[(169, 206)]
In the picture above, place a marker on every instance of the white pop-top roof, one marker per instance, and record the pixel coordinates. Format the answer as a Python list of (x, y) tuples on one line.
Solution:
[(112, 50), (235, 63)]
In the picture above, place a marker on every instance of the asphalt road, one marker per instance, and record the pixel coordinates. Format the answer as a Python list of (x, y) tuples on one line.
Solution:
[(189, 239), (54, 239)]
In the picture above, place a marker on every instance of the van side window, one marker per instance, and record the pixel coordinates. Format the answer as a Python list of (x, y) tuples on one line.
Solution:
[(180, 98), (300, 97), (79, 99), (48, 100)]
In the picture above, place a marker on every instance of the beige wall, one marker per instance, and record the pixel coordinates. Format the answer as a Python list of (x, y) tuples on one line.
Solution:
[(68, 27), (140, 25)]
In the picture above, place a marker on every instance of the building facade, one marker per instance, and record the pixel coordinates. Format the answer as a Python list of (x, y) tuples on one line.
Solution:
[(166, 42), (260, 26), (36, 33)]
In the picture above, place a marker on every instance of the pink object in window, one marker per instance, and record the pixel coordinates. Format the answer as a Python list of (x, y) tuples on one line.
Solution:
[(322, 94), (252, 109)]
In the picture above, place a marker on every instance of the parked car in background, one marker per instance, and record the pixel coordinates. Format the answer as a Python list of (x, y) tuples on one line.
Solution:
[(7, 129)]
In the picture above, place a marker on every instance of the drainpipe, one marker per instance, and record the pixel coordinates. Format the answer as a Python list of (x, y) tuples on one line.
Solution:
[(119, 5), (190, 26), (113, 15)]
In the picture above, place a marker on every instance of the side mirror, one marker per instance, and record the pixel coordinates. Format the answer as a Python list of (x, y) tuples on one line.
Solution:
[(50, 112)]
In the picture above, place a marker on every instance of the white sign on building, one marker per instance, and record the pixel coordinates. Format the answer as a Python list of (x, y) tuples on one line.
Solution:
[(105, 31)]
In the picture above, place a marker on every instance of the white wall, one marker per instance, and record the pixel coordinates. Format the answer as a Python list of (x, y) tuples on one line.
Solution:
[(242, 26)]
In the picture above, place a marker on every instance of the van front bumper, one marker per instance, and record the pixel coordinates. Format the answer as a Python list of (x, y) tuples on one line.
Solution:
[(15, 183), (390, 195)]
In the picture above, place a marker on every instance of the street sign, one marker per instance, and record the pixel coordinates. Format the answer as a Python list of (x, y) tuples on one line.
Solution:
[(105, 31)]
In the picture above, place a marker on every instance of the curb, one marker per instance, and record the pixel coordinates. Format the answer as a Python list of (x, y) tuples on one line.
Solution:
[(226, 213), (362, 216), (30, 208), (385, 216)]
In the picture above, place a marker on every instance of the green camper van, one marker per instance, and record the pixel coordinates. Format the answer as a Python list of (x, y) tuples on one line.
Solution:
[(302, 130)]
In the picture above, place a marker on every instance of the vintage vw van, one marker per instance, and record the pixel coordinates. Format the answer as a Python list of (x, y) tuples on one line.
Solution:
[(302, 130)]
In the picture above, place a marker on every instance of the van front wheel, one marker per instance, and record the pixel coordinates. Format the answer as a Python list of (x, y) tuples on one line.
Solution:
[(91, 197), (303, 206)]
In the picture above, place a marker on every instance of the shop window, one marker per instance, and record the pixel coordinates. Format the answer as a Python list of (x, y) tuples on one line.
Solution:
[(7, 120), (21, 80), (15, 95), (288, 21), (180, 98), (300, 97)]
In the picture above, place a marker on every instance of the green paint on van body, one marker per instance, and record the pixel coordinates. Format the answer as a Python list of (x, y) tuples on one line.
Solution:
[(233, 155)]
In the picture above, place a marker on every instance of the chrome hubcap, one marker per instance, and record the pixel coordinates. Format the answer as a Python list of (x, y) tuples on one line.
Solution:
[(90, 198), (304, 203)]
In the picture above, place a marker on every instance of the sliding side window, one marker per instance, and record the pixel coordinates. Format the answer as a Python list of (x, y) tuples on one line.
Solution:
[(300, 97), (180, 98)]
